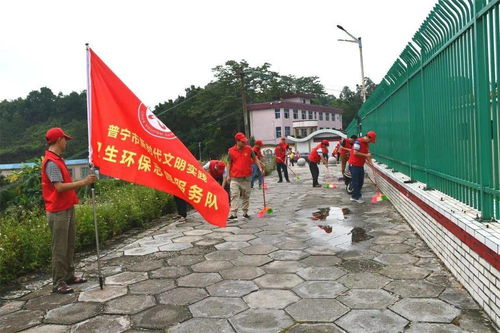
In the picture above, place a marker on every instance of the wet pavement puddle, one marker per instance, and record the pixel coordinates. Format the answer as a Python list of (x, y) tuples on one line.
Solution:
[(330, 226)]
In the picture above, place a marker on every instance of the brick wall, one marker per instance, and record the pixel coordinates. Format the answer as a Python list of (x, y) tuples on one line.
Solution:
[(468, 248)]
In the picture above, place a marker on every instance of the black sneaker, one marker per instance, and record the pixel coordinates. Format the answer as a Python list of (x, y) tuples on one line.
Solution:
[(232, 217), (247, 216), (287, 181), (280, 181)]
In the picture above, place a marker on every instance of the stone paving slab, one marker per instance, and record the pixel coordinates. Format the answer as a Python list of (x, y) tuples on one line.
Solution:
[(281, 273)]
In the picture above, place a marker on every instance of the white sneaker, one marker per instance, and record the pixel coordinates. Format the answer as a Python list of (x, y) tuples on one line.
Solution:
[(359, 201), (352, 199)]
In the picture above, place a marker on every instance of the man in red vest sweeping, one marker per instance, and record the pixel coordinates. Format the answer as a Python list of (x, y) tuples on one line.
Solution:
[(255, 168), (217, 169), (280, 155), (359, 154), (241, 158), (318, 154), (59, 194), (344, 150)]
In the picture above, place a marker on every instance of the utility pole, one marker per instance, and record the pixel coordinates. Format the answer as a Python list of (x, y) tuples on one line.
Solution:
[(246, 118)]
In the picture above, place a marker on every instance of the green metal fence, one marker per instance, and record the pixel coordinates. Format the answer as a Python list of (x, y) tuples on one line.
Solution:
[(436, 112)]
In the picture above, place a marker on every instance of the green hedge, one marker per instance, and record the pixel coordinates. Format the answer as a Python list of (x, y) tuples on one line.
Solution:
[(25, 237)]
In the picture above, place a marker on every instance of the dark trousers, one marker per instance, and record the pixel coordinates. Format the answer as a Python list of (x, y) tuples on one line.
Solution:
[(292, 161), (181, 206), (357, 179), (314, 172), (282, 167)]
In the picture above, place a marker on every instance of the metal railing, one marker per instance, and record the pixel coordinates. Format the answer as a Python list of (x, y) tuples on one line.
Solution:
[(436, 112)]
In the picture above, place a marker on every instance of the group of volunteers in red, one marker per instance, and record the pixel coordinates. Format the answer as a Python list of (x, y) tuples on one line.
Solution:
[(237, 176)]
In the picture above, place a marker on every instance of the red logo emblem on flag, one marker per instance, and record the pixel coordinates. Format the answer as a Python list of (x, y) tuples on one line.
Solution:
[(152, 124)]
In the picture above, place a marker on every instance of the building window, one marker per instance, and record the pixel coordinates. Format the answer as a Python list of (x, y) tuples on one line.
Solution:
[(303, 114), (304, 101), (278, 132), (286, 113), (287, 130), (310, 115), (315, 115), (304, 132), (295, 114), (84, 172), (277, 113), (321, 116), (327, 116)]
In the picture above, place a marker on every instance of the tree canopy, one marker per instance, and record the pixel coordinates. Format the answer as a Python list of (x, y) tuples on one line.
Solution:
[(209, 115)]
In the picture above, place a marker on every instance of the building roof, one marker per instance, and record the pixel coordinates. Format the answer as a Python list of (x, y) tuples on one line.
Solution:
[(301, 95), (316, 133), (292, 105), (14, 166)]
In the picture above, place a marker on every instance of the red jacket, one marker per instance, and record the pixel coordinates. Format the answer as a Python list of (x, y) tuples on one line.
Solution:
[(56, 201), (363, 148), (241, 161)]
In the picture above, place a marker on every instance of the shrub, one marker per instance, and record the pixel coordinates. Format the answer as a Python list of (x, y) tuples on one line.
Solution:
[(25, 238)]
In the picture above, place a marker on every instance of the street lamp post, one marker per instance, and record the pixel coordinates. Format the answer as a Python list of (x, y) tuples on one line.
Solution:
[(357, 41), (363, 88)]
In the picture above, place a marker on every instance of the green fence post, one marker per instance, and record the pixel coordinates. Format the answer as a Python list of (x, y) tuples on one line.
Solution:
[(483, 123)]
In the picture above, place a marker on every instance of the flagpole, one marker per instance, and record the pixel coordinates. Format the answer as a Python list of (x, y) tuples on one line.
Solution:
[(91, 164), (89, 105)]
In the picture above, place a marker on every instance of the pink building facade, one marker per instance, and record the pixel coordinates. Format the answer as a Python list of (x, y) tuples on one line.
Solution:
[(294, 115)]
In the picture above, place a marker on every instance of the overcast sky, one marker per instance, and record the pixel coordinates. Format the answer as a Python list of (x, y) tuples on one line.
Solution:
[(158, 48)]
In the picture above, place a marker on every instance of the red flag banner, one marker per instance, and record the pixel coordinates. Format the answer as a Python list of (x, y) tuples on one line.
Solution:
[(127, 141)]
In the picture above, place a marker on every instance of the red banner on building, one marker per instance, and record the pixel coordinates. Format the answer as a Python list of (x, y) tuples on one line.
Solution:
[(127, 141)]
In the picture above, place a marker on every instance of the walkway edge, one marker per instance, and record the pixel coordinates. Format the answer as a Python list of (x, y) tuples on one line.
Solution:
[(469, 249)]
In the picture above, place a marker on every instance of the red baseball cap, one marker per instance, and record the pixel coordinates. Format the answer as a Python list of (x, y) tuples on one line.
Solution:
[(55, 133), (259, 143), (221, 164), (325, 142), (283, 138), (240, 137), (372, 135)]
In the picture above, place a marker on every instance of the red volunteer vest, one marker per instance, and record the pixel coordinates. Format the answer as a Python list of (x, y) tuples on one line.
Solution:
[(280, 153), (56, 201), (241, 161), (215, 172), (257, 152), (359, 160), (314, 156), (347, 145)]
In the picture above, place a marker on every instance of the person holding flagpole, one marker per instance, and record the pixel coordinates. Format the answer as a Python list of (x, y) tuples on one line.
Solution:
[(241, 158), (58, 191)]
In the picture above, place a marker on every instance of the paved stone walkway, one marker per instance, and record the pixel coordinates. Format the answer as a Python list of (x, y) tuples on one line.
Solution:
[(294, 271)]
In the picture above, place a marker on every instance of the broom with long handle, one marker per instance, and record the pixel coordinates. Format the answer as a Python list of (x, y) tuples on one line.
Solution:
[(379, 196), (265, 210)]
